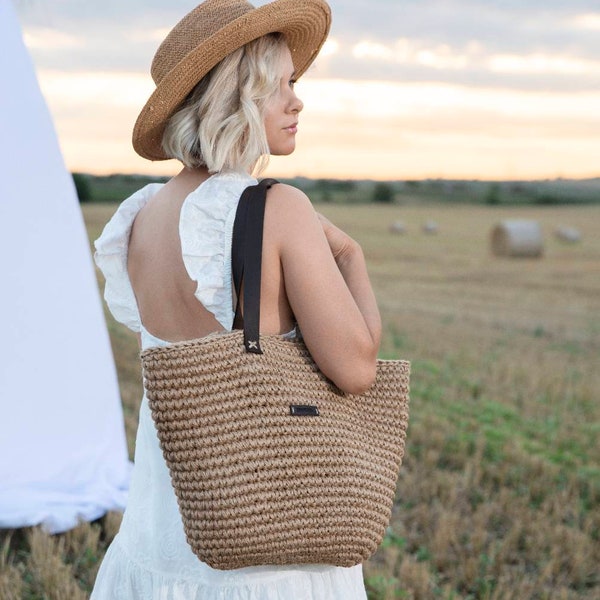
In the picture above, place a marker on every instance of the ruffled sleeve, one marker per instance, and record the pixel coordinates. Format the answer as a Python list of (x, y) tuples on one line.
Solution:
[(206, 231), (111, 258)]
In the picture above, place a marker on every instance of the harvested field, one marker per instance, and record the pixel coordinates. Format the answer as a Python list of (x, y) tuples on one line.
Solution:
[(499, 495)]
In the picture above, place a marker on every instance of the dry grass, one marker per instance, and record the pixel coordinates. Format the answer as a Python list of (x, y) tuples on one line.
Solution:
[(35, 565), (499, 493)]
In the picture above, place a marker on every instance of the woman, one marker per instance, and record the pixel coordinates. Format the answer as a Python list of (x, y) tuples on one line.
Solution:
[(224, 101)]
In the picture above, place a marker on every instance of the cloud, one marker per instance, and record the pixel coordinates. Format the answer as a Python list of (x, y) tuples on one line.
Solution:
[(46, 39), (503, 44), (473, 64), (500, 43), (586, 22)]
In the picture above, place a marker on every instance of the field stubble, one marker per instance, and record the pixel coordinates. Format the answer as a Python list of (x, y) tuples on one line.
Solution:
[(498, 497)]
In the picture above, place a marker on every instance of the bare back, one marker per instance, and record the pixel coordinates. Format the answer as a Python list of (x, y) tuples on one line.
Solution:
[(163, 289)]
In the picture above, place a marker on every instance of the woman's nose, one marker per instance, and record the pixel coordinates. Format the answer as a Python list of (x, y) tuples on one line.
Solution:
[(297, 104)]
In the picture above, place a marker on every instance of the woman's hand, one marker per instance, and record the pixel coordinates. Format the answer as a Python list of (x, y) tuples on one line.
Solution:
[(340, 243)]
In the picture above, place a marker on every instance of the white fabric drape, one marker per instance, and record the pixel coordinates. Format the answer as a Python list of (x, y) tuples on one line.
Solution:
[(63, 455)]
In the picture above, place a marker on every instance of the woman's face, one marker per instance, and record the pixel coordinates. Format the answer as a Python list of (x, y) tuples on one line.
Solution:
[(282, 109)]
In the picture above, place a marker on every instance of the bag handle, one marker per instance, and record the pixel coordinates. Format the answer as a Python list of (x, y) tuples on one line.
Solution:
[(246, 260)]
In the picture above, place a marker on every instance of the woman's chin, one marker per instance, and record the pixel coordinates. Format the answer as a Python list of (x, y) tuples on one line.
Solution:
[(283, 151)]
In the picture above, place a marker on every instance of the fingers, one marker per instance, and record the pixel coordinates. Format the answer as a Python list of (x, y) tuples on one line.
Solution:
[(324, 220)]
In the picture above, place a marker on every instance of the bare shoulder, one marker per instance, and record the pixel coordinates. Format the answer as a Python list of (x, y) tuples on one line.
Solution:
[(288, 206), (286, 190)]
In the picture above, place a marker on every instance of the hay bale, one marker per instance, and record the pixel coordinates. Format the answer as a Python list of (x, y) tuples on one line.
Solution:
[(397, 227), (430, 227), (568, 234), (518, 237)]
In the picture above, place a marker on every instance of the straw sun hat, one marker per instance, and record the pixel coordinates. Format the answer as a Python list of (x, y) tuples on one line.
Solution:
[(208, 34)]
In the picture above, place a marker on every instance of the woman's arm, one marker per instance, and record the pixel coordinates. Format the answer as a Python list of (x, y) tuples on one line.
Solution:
[(350, 260), (328, 289)]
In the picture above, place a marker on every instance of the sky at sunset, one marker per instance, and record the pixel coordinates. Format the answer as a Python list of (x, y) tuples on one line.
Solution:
[(403, 89)]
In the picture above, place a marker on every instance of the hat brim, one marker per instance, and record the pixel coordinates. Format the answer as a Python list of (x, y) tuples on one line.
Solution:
[(304, 23)]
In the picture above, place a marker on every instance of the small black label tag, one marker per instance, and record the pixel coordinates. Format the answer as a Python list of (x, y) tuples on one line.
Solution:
[(303, 410)]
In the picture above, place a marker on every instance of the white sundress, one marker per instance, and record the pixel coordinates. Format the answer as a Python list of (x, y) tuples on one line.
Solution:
[(150, 559)]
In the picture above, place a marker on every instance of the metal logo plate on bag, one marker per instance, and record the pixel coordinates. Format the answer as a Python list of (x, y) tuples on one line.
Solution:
[(303, 410)]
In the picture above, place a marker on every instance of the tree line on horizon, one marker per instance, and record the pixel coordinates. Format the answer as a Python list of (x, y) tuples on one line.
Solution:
[(115, 188)]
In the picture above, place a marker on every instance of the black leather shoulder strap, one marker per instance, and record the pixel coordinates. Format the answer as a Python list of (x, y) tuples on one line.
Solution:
[(246, 260)]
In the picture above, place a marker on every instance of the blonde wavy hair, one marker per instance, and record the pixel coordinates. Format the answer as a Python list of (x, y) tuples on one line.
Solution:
[(220, 125)]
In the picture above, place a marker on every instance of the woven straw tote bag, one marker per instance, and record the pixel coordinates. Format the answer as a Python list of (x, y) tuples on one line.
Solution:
[(270, 462)]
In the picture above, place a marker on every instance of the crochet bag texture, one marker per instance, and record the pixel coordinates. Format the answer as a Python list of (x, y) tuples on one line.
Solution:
[(270, 462)]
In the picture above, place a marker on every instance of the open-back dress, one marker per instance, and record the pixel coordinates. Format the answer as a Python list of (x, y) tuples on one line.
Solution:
[(150, 558)]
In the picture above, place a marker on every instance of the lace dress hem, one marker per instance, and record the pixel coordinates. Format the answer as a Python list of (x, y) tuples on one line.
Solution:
[(124, 577)]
